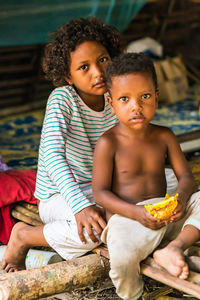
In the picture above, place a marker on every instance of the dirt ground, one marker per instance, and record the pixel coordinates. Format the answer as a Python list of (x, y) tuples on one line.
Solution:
[(105, 291)]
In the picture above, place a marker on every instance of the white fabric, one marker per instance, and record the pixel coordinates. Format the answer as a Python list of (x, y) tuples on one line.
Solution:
[(60, 228), (172, 181), (135, 242)]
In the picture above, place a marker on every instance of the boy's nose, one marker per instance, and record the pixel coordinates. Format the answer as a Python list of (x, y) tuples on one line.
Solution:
[(136, 105)]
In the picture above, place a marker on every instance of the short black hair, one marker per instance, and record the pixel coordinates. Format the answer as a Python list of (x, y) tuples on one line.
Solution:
[(56, 61), (128, 63)]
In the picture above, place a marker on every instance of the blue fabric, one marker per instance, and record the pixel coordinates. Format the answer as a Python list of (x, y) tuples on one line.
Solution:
[(20, 134), (182, 117), (25, 22)]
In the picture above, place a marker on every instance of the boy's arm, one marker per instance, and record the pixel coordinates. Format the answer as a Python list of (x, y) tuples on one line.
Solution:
[(103, 168), (182, 171)]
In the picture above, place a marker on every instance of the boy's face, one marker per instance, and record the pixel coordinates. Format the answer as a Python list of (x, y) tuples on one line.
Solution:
[(87, 66), (133, 99)]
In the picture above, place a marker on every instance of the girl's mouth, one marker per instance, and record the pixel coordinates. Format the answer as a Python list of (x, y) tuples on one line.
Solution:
[(100, 84)]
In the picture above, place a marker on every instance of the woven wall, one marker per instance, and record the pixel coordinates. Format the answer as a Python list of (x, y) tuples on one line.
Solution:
[(174, 23)]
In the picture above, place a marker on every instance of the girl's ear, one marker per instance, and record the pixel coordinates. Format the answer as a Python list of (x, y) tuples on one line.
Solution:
[(68, 79), (111, 104)]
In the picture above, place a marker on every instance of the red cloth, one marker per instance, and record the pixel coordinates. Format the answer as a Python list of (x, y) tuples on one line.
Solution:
[(15, 186)]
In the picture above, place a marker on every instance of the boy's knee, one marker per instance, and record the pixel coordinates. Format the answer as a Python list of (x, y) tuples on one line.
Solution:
[(125, 275), (127, 264)]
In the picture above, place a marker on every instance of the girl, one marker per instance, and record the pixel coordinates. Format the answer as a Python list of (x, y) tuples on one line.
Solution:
[(77, 114)]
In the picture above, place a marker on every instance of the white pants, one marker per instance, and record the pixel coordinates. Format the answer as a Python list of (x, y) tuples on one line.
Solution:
[(129, 242), (60, 230)]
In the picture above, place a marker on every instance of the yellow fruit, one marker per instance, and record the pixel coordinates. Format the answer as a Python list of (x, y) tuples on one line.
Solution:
[(164, 209)]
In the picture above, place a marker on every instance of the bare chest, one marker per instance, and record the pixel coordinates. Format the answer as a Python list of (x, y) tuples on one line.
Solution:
[(139, 158)]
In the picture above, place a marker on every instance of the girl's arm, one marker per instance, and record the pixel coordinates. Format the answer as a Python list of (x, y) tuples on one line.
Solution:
[(54, 135)]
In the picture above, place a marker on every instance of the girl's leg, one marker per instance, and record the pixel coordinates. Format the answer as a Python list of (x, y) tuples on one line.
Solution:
[(59, 232), (60, 229), (22, 238)]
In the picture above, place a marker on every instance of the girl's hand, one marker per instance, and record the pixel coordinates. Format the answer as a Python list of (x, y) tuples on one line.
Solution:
[(90, 218), (147, 220)]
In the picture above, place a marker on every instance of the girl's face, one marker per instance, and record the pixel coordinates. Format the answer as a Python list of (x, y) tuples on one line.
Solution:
[(87, 66), (134, 99)]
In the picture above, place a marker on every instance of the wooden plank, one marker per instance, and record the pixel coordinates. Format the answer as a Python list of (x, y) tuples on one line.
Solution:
[(28, 213), (31, 207), (12, 91), (15, 109), (15, 68), (164, 277), (15, 82), (20, 216), (6, 49), (8, 57)]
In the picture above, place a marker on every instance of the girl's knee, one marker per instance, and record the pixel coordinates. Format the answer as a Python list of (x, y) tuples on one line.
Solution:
[(20, 231)]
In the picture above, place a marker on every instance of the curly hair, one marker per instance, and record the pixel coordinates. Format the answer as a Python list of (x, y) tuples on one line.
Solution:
[(56, 60), (130, 63)]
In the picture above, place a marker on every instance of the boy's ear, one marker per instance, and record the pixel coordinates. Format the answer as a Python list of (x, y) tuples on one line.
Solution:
[(157, 97), (111, 104)]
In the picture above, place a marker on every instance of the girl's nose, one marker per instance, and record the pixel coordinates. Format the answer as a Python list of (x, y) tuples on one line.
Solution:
[(97, 71)]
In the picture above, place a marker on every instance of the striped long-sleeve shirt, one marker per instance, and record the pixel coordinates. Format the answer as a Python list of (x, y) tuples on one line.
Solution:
[(69, 135)]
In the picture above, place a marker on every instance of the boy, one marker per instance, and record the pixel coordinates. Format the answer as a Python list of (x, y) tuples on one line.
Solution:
[(128, 172)]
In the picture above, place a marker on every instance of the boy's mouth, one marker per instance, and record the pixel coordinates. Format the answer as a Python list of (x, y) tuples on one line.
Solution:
[(137, 118)]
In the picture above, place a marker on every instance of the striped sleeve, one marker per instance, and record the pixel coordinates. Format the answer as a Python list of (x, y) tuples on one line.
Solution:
[(54, 135)]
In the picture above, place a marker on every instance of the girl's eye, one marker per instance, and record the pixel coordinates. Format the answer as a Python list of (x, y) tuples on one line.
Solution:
[(146, 96), (123, 99), (84, 67), (103, 59)]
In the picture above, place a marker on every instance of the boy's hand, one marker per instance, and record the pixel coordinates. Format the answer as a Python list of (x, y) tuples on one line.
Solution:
[(144, 217), (90, 218), (179, 212)]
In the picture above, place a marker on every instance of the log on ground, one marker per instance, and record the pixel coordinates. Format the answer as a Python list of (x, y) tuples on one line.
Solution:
[(53, 279)]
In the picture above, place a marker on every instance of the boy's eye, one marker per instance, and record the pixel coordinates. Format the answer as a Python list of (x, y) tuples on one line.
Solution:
[(123, 99), (83, 67), (146, 96)]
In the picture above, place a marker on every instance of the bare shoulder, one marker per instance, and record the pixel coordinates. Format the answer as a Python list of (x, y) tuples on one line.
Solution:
[(162, 132), (108, 137), (107, 142)]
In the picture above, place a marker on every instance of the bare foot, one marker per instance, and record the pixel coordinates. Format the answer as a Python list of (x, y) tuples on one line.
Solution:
[(15, 254), (172, 259)]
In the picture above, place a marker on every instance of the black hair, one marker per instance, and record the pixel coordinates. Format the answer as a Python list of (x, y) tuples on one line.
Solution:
[(130, 63), (56, 61)]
